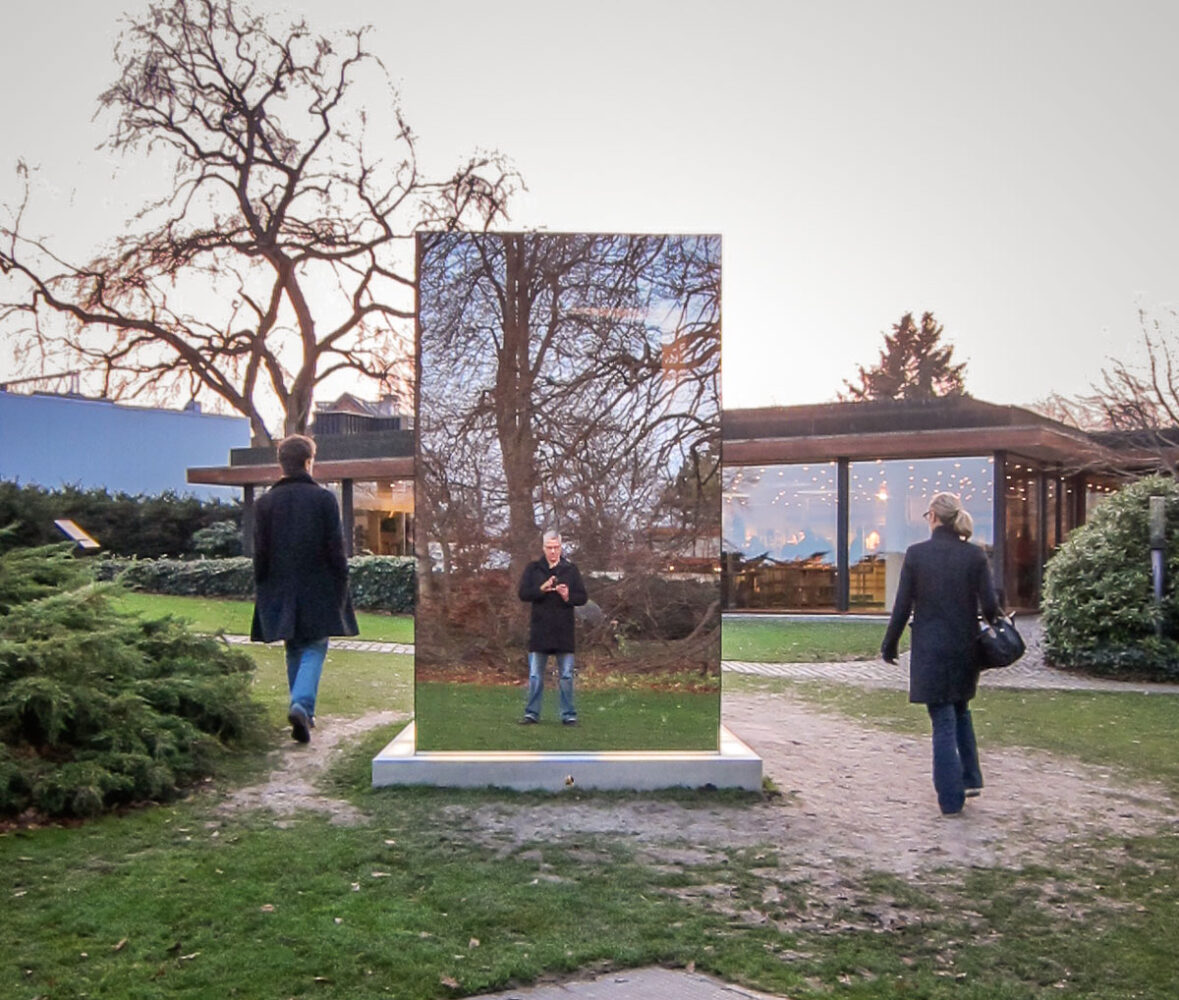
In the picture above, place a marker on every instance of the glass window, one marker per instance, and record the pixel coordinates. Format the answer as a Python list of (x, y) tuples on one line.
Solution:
[(1022, 577), (779, 524), (886, 514)]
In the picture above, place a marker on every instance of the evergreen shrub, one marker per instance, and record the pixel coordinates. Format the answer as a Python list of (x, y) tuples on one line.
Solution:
[(124, 524), (218, 541), (100, 709), (1099, 613), (382, 583), (379, 583)]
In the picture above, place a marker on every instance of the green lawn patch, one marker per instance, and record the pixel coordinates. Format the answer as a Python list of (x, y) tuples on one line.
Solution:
[(206, 614), (792, 640), (486, 717), (352, 684)]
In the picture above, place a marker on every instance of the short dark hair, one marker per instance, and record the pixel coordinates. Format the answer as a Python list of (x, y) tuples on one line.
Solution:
[(293, 453)]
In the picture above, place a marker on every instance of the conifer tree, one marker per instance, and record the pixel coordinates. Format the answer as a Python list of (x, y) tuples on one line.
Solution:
[(914, 364), (98, 708)]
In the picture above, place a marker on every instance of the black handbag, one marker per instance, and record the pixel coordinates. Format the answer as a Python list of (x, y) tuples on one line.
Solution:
[(999, 643)]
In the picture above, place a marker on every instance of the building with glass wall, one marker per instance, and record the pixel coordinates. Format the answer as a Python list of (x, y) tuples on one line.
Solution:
[(820, 502)]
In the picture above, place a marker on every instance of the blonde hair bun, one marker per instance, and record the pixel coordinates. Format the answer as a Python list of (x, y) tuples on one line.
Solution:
[(948, 509)]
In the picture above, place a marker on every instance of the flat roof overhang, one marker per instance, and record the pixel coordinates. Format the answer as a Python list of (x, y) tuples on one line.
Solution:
[(329, 471), (1045, 444)]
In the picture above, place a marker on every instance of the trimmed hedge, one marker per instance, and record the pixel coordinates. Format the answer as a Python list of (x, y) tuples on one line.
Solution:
[(1099, 613), (379, 583)]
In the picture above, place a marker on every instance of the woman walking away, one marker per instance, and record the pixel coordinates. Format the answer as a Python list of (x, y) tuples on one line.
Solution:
[(944, 583)]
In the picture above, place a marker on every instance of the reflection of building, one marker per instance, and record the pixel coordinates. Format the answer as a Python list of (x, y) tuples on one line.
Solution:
[(366, 450), (53, 440), (820, 502)]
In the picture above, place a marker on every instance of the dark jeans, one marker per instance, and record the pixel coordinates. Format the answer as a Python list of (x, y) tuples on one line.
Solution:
[(536, 664), (955, 754)]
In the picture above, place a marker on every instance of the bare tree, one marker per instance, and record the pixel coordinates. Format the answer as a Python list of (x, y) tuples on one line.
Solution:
[(587, 365), (275, 261), (568, 381), (1141, 400)]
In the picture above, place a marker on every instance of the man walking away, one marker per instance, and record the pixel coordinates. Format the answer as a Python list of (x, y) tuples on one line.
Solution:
[(300, 576)]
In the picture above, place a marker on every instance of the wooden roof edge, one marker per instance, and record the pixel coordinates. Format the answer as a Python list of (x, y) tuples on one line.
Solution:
[(398, 467)]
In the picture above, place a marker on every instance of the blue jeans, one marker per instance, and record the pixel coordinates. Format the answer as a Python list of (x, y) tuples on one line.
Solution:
[(304, 665), (536, 664), (955, 754)]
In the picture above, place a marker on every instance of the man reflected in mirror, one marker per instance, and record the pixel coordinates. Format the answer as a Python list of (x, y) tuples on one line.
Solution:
[(553, 586)]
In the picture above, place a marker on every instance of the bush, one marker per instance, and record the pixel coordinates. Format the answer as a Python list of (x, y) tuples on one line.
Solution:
[(145, 526), (1098, 612), (652, 606), (198, 578), (382, 583), (100, 709), (379, 583), (218, 541)]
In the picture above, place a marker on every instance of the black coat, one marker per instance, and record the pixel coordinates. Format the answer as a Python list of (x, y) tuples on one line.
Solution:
[(300, 570), (551, 627), (944, 583)]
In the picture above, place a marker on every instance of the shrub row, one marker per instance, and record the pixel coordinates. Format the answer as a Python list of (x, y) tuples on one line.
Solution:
[(379, 583), (144, 526)]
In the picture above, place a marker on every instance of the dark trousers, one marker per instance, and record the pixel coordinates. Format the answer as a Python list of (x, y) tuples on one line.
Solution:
[(955, 754)]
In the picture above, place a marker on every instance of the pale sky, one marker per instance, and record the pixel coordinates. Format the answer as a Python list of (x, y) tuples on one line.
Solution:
[(1008, 166)]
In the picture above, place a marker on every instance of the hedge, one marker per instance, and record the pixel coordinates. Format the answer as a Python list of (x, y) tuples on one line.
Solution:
[(145, 526), (379, 583)]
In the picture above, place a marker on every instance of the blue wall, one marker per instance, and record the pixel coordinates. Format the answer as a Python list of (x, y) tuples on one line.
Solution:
[(54, 441)]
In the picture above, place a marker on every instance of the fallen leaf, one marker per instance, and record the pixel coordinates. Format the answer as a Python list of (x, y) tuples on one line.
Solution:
[(449, 981), (473, 943), (189, 958), (356, 887), (382, 875), (120, 946), (267, 907)]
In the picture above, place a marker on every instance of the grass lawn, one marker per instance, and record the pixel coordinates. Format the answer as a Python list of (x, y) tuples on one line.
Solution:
[(181, 901), (187, 901), (486, 717), (352, 684), (207, 614), (783, 640)]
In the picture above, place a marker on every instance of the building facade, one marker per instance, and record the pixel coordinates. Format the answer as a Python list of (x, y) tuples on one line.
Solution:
[(820, 502), (53, 440)]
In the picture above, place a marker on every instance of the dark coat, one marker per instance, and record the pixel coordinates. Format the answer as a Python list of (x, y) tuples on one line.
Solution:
[(300, 570), (944, 583), (551, 627)]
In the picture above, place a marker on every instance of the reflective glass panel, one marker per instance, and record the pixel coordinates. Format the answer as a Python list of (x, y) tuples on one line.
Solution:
[(886, 514), (779, 525)]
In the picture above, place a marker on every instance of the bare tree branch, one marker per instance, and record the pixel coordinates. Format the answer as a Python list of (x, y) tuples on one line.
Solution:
[(280, 252)]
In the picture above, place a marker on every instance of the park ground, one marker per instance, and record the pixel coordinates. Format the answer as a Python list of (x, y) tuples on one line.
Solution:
[(289, 876)]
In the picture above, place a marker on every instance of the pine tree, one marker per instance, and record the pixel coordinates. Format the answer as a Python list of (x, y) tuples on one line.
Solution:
[(100, 708), (914, 364)]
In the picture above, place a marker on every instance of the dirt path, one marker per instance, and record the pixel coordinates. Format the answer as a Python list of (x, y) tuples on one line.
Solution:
[(853, 797), (290, 787)]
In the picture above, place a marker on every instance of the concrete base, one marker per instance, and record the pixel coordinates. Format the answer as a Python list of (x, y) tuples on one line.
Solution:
[(735, 765)]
